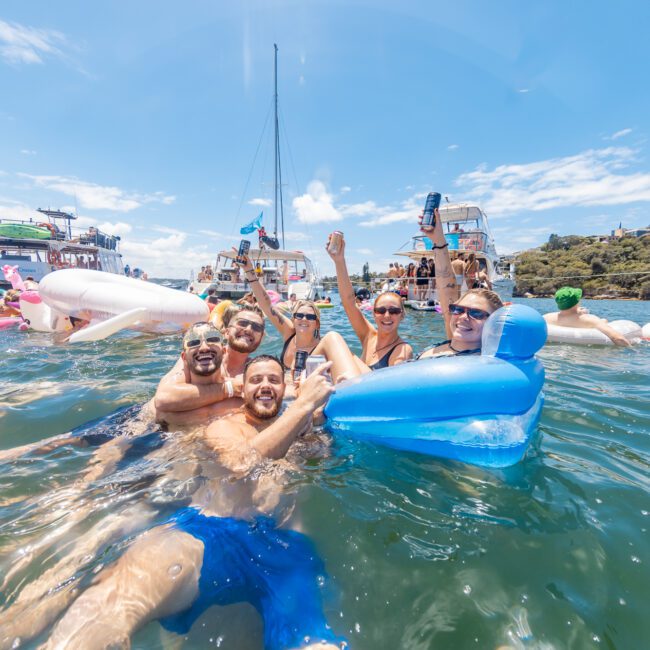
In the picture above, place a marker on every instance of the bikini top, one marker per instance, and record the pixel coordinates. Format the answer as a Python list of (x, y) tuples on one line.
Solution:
[(284, 351), (452, 353), (383, 362)]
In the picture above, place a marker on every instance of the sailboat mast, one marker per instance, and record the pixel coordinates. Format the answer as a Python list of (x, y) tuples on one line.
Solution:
[(277, 140)]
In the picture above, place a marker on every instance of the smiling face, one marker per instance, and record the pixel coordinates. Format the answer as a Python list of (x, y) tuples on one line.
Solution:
[(203, 350), (388, 322), (465, 328), (245, 331), (264, 388), (303, 318)]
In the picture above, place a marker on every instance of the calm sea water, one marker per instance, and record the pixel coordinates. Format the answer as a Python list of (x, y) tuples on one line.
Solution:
[(421, 553)]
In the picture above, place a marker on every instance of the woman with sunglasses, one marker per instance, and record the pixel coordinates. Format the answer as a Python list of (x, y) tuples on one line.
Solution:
[(382, 344), (464, 318), (302, 331)]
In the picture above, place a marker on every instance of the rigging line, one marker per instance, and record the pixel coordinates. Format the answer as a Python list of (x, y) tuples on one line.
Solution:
[(250, 173), (295, 176)]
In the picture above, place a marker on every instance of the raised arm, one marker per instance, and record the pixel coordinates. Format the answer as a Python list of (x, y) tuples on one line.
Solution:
[(445, 279), (280, 322), (238, 444), (362, 328)]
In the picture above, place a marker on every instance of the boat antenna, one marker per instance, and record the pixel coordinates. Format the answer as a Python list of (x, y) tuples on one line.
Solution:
[(278, 168)]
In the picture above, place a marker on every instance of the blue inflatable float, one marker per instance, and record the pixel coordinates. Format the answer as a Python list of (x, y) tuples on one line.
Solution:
[(477, 409)]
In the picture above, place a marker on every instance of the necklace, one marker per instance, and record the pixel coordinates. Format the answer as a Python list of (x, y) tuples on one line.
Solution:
[(387, 344), (451, 347)]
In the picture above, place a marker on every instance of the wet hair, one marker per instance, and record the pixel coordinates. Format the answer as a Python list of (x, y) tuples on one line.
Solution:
[(259, 358), (471, 257), (306, 303), (386, 293), (232, 310), (491, 297)]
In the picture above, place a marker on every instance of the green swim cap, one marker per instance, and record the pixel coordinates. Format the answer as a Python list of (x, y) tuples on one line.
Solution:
[(567, 297)]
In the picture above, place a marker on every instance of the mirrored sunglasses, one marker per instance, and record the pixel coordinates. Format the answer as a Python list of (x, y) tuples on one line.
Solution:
[(243, 323), (210, 339)]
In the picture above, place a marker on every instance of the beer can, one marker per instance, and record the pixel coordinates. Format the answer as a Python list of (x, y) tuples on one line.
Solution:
[(244, 247), (313, 362), (300, 361), (335, 242), (433, 202)]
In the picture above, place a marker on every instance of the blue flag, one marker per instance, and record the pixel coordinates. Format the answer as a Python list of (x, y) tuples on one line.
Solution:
[(254, 225)]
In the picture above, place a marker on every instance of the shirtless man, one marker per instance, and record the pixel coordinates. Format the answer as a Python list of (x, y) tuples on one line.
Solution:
[(219, 550), (572, 315), (206, 381)]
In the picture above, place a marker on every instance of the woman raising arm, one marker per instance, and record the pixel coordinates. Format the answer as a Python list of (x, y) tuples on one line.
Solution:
[(382, 344)]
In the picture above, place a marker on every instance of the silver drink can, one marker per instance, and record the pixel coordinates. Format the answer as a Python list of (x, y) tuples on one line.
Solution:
[(335, 242), (313, 362)]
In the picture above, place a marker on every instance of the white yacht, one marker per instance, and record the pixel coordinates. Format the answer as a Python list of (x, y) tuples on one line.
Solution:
[(467, 231), (50, 242), (285, 272)]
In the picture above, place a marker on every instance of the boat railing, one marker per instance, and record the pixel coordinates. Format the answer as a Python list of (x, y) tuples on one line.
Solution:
[(88, 236), (469, 241)]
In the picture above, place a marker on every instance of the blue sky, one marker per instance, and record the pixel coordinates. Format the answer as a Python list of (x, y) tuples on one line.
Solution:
[(145, 117)]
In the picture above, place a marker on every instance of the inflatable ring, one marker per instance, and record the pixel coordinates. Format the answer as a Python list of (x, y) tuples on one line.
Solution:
[(216, 317), (588, 336), (479, 409)]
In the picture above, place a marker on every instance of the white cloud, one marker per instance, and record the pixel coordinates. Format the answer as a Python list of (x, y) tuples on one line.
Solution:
[(345, 189), (365, 251), (523, 91), (20, 44), (117, 228), (28, 152), (263, 202), (316, 205), (291, 235), (99, 197), (593, 177), (359, 209), (18, 211), (452, 147), (386, 215), (219, 235), (618, 134)]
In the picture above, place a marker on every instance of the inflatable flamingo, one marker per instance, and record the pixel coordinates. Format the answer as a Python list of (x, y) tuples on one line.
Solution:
[(11, 275)]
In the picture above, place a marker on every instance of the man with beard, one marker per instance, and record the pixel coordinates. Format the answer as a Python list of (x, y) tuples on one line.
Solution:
[(223, 548), (206, 382)]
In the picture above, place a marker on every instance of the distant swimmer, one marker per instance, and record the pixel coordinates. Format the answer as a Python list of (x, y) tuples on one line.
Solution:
[(220, 550), (572, 315)]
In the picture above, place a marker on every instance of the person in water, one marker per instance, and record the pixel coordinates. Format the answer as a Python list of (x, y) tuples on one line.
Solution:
[(301, 332), (464, 317), (214, 552), (571, 314), (382, 344)]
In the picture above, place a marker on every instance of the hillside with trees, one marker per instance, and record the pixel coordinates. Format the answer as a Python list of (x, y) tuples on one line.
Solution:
[(617, 268)]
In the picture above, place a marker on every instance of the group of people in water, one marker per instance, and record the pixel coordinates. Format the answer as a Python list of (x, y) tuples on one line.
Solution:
[(226, 545)]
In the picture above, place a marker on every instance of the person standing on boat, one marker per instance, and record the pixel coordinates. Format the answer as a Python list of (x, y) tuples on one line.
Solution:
[(382, 344), (422, 279), (471, 272), (464, 318), (458, 267)]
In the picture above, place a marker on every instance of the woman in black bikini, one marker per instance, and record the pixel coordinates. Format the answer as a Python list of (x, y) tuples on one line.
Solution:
[(382, 344), (464, 319)]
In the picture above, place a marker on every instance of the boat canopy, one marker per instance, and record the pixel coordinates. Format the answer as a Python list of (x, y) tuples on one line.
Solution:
[(282, 256), (460, 213)]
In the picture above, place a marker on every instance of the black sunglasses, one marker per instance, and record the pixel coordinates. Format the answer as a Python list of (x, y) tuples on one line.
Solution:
[(244, 323), (476, 314), (393, 311), (299, 316), (212, 339)]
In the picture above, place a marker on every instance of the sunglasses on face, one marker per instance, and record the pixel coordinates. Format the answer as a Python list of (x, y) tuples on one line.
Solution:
[(243, 323), (393, 311), (475, 314), (300, 316), (210, 339)]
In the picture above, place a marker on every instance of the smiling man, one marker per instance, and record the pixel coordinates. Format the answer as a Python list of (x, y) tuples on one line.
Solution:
[(206, 382), (220, 551)]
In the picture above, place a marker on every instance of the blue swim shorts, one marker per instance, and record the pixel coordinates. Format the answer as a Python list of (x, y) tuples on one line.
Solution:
[(277, 571)]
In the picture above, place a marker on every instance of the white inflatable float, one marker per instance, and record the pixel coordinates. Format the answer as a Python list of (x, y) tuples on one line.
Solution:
[(584, 336), (114, 302)]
